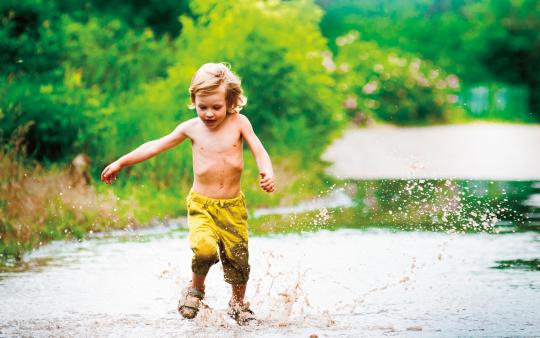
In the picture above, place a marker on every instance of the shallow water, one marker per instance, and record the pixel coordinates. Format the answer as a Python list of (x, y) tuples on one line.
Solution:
[(344, 283)]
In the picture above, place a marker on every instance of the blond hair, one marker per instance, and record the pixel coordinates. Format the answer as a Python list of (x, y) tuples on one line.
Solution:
[(210, 77)]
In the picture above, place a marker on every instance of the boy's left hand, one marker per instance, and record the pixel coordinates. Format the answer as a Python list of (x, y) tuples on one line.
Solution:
[(267, 182)]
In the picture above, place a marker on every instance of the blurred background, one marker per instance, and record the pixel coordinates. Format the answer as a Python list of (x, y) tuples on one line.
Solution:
[(84, 82), (404, 135)]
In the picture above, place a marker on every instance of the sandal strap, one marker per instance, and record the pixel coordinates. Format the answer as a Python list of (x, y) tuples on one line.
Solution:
[(189, 305), (195, 293), (245, 307)]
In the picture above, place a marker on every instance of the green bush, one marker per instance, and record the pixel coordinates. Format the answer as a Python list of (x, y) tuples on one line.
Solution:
[(54, 117), (108, 54), (106, 64), (394, 87), (31, 41)]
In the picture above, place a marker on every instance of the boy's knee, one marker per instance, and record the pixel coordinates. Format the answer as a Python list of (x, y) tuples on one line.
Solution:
[(204, 255), (205, 248)]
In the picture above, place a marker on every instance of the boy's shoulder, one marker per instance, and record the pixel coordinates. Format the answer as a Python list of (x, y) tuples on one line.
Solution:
[(191, 123), (241, 119), (188, 127), (242, 122)]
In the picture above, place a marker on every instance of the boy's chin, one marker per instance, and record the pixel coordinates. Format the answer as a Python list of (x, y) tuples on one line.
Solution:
[(212, 124)]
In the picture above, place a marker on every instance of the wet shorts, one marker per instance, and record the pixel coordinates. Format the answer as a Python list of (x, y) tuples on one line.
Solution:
[(219, 226)]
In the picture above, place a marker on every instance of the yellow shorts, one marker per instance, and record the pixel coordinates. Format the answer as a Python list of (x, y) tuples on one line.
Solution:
[(219, 225)]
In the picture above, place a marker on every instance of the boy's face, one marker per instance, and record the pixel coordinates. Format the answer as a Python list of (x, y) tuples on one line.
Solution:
[(212, 109)]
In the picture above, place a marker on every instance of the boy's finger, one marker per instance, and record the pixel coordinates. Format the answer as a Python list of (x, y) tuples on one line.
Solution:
[(269, 184)]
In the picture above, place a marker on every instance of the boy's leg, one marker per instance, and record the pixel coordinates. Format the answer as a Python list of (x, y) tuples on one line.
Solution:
[(233, 249), (203, 241), (238, 293), (204, 248), (197, 281), (236, 269)]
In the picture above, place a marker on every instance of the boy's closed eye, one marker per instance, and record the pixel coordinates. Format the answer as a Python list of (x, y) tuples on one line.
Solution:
[(215, 107)]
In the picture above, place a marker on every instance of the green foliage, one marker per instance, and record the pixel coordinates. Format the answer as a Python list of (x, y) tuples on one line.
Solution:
[(479, 41), (109, 55), (70, 113), (30, 38), (393, 87), (31, 44), (431, 29), (107, 63), (49, 109), (160, 15)]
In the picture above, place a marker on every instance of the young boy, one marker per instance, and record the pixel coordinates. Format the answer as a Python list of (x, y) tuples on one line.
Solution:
[(217, 215)]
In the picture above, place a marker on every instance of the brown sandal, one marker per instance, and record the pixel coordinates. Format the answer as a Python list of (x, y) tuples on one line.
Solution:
[(242, 314), (188, 308)]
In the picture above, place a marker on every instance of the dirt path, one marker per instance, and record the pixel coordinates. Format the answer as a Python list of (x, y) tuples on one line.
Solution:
[(489, 151)]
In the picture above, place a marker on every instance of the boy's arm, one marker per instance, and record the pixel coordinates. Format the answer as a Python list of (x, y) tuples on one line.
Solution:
[(264, 163), (144, 152)]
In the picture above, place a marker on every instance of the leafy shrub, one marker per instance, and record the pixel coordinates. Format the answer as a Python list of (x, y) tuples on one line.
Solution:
[(109, 55), (55, 120), (30, 37), (398, 88)]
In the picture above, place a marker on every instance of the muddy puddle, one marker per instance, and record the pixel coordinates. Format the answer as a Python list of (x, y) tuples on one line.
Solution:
[(344, 283)]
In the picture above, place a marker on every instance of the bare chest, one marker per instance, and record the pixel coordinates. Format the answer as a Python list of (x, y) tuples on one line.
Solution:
[(217, 145)]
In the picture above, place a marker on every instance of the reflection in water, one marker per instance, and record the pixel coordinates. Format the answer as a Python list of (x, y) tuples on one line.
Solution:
[(412, 205), (519, 264), (443, 205)]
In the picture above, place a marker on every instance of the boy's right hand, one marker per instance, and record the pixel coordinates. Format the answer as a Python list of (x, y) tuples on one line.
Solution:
[(108, 175)]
